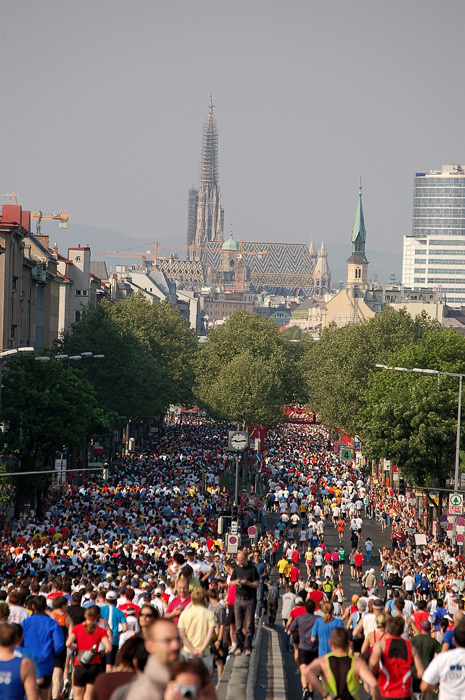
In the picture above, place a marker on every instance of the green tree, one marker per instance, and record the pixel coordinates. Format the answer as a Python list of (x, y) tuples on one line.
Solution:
[(45, 406), (293, 333), (129, 380), (337, 367), (244, 370), (412, 418), (161, 327)]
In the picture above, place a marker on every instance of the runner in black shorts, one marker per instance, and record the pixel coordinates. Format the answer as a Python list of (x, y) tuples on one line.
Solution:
[(308, 650)]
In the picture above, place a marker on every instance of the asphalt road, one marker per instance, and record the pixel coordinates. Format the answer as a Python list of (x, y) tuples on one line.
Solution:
[(266, 672)]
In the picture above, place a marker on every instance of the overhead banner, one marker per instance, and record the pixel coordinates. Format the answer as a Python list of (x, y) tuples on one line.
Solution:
[(301, 416)]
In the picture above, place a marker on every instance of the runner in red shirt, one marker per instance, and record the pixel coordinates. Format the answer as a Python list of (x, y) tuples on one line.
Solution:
[(358, 561), (294, 575), (316, 595), (395, 657), (84, 637), (295, 556)]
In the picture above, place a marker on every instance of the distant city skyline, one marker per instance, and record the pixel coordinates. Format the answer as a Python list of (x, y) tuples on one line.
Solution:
[(105, 121)]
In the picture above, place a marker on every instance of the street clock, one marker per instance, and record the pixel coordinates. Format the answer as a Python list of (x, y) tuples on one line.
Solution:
[(238, 440)]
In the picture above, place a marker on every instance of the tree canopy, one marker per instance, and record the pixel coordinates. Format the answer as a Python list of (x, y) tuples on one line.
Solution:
[(244, 370), (412, 418), (336, 368), (45, 406), (149, 355)]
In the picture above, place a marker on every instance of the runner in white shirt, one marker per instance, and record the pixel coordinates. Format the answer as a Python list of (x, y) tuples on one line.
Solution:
[(448, 670), (408, 583)]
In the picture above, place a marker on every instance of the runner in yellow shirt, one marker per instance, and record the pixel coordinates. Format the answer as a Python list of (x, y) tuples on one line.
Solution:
[(282, 565)]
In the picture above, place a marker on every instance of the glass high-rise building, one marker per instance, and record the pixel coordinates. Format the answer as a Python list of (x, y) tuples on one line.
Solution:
[(434, 253)]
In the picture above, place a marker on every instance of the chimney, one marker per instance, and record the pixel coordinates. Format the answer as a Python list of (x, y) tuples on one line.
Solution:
[(44, 239)]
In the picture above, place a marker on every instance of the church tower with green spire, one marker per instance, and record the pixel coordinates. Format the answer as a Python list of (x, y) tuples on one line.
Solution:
[(357, 264)]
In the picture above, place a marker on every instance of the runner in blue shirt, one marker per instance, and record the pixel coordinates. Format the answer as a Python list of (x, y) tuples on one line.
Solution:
[(45, 636), (117, 622)]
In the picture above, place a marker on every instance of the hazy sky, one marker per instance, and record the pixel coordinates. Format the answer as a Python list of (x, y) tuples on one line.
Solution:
[(103, 104)]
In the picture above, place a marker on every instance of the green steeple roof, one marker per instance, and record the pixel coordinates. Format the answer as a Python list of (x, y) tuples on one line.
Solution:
[(359, 233), (230, 244)]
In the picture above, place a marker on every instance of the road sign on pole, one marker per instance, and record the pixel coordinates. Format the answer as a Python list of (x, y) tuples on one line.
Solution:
[(233, 544), (455, 504), (460, 539), (252, 530)]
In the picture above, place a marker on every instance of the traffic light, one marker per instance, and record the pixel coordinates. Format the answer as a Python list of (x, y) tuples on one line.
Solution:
[(402, 487)]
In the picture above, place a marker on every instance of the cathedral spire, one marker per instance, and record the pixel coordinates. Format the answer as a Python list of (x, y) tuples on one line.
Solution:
[(359, 234), (321, 273), (205, 213), (209, 158), (322, 253)]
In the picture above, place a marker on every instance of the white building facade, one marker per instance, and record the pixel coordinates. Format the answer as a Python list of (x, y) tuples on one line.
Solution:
[(434, 253)]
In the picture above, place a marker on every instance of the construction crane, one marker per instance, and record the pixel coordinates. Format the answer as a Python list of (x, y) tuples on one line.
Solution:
[(60, 215), (156, 252), (130, 253), (11, 195), (241, 251)]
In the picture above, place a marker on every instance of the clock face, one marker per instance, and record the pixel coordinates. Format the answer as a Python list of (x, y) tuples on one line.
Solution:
[(239, 441)]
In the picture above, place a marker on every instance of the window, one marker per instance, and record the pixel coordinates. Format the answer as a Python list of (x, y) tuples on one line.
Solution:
[(77, 292), (77, 316)]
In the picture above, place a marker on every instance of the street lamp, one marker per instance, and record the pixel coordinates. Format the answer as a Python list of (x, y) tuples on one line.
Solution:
[(438, 373), (82, 356), (14, 351)]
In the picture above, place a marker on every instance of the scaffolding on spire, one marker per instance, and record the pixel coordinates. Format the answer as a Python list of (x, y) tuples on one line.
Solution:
[(209, 158)]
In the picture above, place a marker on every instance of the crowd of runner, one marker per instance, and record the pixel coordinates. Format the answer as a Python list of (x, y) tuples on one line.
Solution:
[(124, 589)]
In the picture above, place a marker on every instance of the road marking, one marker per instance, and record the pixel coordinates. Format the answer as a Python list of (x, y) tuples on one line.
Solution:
[(279, 683)]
